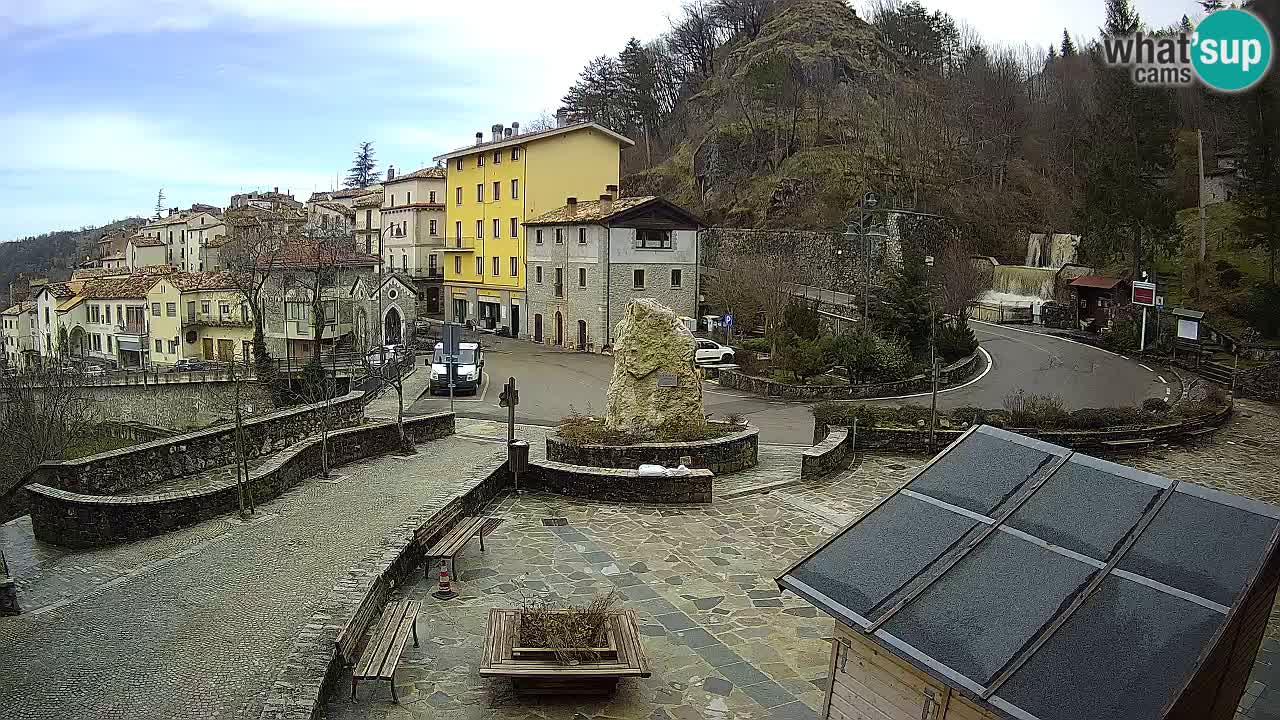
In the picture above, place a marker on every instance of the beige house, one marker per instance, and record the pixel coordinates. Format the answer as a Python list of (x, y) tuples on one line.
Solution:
[(16, 323), (59, 322), (216, 323), (180, 231), (141, 251), (200, 231), (412, 231), (115, 324), (368, 225)]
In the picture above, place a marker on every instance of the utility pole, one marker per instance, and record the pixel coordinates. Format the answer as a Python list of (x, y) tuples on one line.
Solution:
[(933, 355), (1200, 195)]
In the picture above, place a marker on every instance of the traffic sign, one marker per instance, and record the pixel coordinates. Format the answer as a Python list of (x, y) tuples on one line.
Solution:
[(1144, 293), (450, 339)]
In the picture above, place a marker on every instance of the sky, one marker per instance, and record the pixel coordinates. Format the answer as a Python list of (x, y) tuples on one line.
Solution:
[(105, 102)]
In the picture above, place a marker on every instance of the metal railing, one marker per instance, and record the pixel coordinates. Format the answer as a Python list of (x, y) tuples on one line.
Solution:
[(215, 320)]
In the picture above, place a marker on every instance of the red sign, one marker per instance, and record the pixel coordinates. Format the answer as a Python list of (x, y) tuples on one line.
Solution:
[(1144, 293)]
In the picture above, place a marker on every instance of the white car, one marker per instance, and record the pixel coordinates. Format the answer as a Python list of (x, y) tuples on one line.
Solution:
[(710, 352)]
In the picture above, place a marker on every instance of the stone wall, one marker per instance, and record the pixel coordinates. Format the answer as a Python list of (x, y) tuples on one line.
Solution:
[(721, 456), (1260, 383), (168, 458), (617, 485), (78, 520), (954, 374), (833, 453), (312, 667), (915, 440), (172, 406)]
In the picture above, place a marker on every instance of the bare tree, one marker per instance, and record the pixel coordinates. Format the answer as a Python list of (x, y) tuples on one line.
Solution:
[(751, 285), (962, 280), (44, 415), (387, 371), (256, 238)]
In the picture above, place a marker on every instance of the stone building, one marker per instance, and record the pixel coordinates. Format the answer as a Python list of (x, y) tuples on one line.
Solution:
[(588, 260)]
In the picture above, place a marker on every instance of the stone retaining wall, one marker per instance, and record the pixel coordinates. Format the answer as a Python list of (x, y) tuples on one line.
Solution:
[(312, 667), (1260, 383), (177, 456), (73, 519), (721, 456), (953, 374), (613, 484), (914, 440), (832, 453)]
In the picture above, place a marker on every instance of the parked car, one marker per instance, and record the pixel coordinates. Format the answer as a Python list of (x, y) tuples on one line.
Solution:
[(467, 370), (188, 365), (710, 352)]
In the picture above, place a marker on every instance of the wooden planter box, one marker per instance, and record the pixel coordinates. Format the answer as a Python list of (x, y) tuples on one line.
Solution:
[(536, 671)]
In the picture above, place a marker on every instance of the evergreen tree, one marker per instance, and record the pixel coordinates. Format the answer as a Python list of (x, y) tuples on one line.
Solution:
[(1259, 175), (1068, 46), (1212, 5), (362, 173), (159, 203)]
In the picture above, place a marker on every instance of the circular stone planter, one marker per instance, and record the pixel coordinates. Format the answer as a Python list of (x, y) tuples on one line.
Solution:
[(722, 455)]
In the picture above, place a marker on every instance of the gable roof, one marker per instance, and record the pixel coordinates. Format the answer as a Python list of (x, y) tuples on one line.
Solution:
[(143, 241), (596, 212), (532, 137), (304, 254), (431, 173), (133, 287), (191, 281), (24, 306), (404, 282), (1045, 583)]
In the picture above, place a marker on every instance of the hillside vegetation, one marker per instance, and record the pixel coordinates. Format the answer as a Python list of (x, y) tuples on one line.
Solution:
[(55, 254)]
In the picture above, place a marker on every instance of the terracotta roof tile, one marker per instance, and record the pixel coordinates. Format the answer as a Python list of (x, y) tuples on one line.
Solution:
[(431, 173), (589, 211)]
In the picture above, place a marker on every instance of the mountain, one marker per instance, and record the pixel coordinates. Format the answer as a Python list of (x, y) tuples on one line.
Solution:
[(55, 254)]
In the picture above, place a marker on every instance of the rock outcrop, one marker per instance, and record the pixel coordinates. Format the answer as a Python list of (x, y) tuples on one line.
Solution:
[(655, 382)]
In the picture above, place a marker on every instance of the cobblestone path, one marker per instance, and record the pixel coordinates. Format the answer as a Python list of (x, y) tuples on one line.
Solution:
[(194, 624)]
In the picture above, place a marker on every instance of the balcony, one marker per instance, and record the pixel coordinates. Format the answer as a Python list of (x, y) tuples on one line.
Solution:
[(459, 245), (303, 330), (202, 319)]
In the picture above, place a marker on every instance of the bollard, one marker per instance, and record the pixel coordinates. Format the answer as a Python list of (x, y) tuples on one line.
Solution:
[(446, 588)]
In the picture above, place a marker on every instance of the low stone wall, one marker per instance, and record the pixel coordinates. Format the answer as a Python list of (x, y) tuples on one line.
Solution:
[(721, 456), (916, 440), (1260, 383), (829, 455), (1260, 353), (953, 374), (177, 456), (79, 520), (617, 485), (308, 674)]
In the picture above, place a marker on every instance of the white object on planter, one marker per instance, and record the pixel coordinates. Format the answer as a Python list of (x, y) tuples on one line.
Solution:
[(648, 470)]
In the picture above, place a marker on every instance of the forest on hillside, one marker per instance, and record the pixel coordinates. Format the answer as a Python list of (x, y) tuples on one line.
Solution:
[(782, 113), (55, 254)]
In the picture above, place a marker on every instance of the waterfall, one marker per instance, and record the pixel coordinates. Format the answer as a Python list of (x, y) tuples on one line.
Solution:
[(1051, 251), (1025, 282)]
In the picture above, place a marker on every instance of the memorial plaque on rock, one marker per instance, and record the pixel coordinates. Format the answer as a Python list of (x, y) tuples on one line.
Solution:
[(668, 380)]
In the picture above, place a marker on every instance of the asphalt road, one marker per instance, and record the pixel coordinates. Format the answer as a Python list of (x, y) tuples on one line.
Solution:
[(553, 383)]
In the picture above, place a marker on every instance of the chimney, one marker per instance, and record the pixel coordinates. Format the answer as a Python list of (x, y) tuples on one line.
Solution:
[(515, 128), (391, 172), (606, 203), (612, 190), (276, 189), (479, 138), (562, 117), (571, 205), (497, 132), (506, 134)]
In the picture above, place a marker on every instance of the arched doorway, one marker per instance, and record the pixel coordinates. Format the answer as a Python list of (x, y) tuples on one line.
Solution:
[(537, 327), (582, 334), (393, 333), (559, 329), (77, 342)]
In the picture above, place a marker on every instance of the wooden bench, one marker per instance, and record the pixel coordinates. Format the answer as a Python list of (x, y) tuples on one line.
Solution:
[(454, 539), (382, 652), (348, 642), (1136, 442)]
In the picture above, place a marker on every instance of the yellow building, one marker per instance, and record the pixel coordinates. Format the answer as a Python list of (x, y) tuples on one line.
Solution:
[(198, 316), (491, 188)]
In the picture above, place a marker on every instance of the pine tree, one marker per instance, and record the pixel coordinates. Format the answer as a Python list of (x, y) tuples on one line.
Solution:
[(362, 173), (1212, 5), (1259, 174), (1068, 46), (160, 203)]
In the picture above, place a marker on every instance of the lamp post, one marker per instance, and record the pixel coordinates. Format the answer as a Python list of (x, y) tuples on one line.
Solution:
[(933, 353)]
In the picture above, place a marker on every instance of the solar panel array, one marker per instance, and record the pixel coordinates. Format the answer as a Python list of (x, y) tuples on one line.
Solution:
[(1050, 584)]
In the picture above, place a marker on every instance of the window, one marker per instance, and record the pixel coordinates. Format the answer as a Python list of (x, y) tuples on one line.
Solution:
[(515, 267), (675, 278), (497, 266), (480, 160), (515, 227), (559, 282), (433, 227), (479, 229), (479, 265), (637, 279), (515, 153), (204, 307), (431, 197), (109, 344), (582, 236), (155, 310), (537, 274), (108, 314), (368, 219), (119, 315), (408, 198), (653, 239), (497, 157), (224, 309), (515, 189), (457, 264), (497, 190), (458, 164), (173, 347), (497, 228), (582, 277), (479, 192), (457, 228), (393, 199), (559, 236), (158, 347), (171, 309), (537, 236), (457, 195)]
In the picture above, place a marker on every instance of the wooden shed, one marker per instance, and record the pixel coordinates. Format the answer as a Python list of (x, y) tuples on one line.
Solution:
[(1012, 578)]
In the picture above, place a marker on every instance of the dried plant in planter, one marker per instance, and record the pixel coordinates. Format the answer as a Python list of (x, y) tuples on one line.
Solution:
[(573, 632)]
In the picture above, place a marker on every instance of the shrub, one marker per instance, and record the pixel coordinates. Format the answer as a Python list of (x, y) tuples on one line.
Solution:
[(1215, 394), (755, 345), (843, 413), (1156, 406), (802, 358), (972, 415), (892, 361), (1031, 410), (801, 318), (1229, 276), (955, 340)]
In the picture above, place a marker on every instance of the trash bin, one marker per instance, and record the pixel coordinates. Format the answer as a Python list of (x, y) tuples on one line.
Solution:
[(518, 456)]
